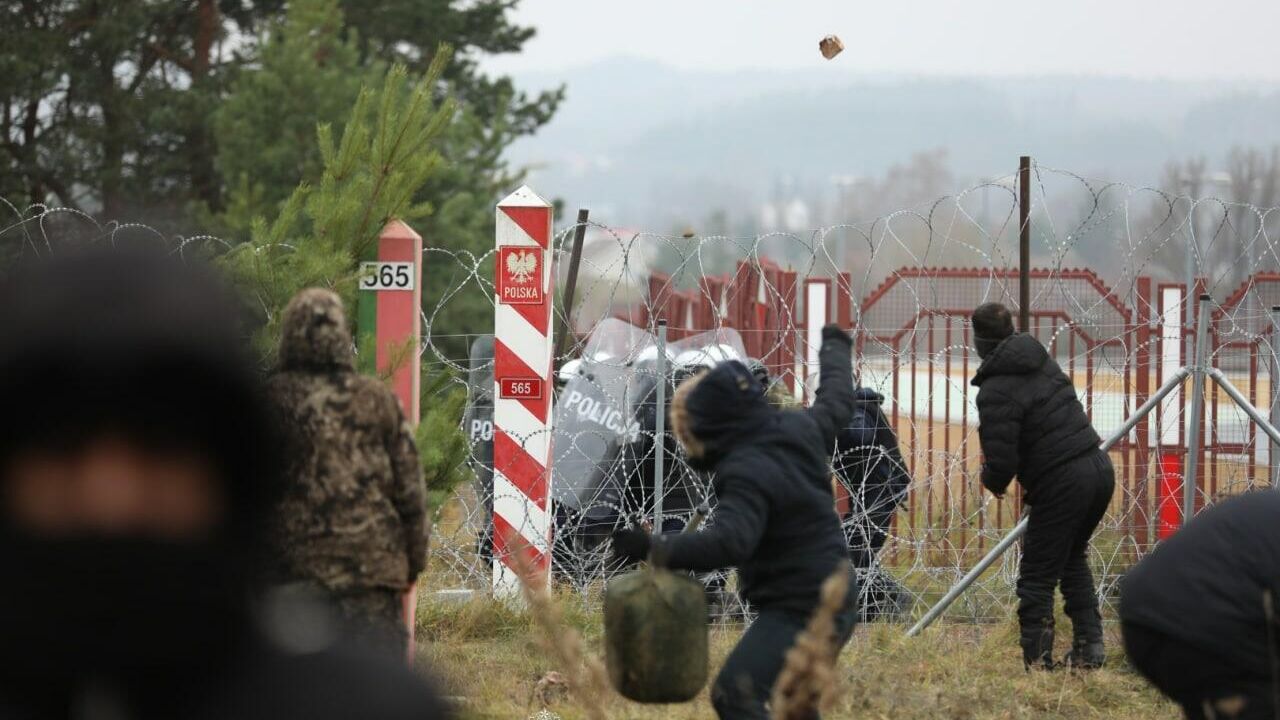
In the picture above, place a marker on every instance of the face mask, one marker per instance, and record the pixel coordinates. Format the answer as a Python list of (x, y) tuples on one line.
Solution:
[(115, 606), (985, 346)]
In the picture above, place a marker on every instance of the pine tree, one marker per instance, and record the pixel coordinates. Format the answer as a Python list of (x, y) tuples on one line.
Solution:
[(308, 69), (385, 154), (278, 125), (109, 107), (371, 175), (308, 72), (106, 104), (442, 446)]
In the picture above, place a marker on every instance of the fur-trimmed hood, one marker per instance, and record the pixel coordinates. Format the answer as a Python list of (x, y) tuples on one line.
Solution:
[(713, 411)]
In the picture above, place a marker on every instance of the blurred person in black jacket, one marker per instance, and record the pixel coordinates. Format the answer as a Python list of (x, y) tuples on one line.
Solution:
[(1199, 613), (774, 519), (1032, 426), (138, 469)]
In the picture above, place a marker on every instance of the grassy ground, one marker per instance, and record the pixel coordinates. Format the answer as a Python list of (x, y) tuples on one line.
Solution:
[(490, 656)]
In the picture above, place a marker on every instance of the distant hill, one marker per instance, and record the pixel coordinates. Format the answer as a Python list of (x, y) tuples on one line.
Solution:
[(646, 145)]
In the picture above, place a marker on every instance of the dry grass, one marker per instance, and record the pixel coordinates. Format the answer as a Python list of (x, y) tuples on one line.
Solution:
[(587, 679), (809, 679), (489, 654)]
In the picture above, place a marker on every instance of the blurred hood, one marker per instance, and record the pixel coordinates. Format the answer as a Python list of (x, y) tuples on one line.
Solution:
[(314, 334)]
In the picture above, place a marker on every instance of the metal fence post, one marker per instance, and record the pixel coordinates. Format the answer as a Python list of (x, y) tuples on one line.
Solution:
[(1273, 458), (1243, 402), (1192, 465), (660, 429)]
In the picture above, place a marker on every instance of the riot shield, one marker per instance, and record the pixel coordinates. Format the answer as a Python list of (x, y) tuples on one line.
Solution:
[(683, 489), (679, 495), (619, 343), (710, 348), (592, 419), (592, 426), (477, 422)]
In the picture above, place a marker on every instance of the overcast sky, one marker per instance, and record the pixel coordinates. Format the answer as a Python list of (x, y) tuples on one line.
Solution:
[(1234, 39)]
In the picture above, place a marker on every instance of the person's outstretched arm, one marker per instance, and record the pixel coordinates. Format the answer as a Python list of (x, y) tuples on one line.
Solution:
[(833, 403)]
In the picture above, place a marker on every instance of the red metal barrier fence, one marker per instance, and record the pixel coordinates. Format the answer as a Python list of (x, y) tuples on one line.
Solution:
[(913, 341)]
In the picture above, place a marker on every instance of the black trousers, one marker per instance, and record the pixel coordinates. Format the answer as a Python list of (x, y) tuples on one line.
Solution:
[(745, 683), (374, 620), (1207, 687), (1068, 505)]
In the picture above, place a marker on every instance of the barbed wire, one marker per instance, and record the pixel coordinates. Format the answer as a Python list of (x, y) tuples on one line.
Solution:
[(913, 275), (1110, 299)]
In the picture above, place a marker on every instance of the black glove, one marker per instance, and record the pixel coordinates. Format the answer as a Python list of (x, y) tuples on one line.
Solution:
[(630, 545), (835, 332)]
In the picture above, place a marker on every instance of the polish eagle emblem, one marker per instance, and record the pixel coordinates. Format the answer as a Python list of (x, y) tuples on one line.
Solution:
[(522, 266)]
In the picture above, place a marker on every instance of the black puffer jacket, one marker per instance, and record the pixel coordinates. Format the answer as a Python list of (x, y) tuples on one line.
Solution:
[(774, 520), (1030, 419)]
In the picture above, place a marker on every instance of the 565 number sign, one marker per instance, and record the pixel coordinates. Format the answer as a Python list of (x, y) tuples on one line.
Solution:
[(386, 276), (520, 388)]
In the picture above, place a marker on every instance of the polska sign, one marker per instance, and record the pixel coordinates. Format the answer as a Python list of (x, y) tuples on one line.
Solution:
[(520, 275)]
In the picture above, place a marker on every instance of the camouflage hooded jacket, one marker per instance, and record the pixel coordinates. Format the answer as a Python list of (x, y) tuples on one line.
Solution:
[(354, 511)]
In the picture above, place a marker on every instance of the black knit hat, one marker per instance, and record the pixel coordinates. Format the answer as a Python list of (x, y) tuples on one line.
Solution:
[(724, 408), (992, 323)]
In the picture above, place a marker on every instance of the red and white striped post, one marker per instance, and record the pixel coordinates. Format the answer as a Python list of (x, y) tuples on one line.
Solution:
[(522, 378), (1174, 302)]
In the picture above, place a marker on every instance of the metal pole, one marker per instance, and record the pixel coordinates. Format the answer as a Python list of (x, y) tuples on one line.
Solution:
[(1189, 274), (1021, 528), (1024, 244), (660, 429), (1274, 459), (1192, 465), (958, 589), (571, 282), (1243, 402)]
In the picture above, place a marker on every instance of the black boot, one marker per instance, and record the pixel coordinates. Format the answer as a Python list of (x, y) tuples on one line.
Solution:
[(1087, 650), (1085, 655), (881, 597), (1037, 646)]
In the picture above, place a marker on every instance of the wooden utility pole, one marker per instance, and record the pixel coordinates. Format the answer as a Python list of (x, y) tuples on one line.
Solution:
[(1024, 244), (571, 285)]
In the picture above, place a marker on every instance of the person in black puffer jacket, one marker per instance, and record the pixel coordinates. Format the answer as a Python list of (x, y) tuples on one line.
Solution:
[(774, 519), (1032, 425)]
